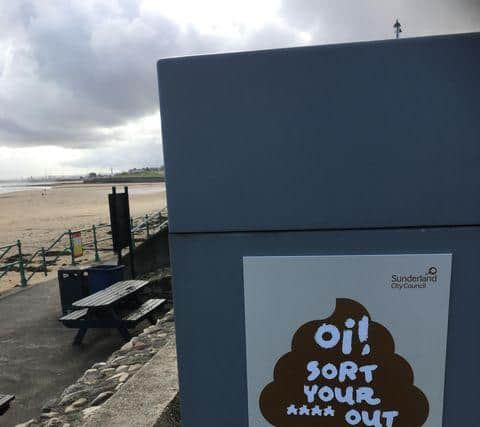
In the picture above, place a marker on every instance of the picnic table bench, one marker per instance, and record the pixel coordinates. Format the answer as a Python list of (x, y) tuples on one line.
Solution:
[(117, 306), (5, 400)]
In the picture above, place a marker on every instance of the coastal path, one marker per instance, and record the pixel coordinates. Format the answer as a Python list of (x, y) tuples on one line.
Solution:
[(37, 359)]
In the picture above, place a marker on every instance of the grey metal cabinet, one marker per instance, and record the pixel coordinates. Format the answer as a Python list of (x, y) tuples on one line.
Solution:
[(366, 148)]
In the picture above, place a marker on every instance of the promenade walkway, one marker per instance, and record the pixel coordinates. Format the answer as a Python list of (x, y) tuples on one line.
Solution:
[(37, 359)]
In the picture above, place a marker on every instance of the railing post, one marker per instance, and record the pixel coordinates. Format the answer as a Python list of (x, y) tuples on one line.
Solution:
[(70, 238), (44, 261), (148, 226), (133, 233), (23, 279), (95, 243)]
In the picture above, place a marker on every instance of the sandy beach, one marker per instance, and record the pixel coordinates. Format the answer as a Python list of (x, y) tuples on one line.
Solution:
[(37, 219)]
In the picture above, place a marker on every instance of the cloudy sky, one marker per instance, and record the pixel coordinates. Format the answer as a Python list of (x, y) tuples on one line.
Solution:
[(78, 88)]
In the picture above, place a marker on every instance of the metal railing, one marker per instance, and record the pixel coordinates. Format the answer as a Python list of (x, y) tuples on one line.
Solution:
[(8, 266), (98, 239)]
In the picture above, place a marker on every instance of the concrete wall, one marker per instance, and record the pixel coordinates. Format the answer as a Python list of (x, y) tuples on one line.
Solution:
[(150, 255)]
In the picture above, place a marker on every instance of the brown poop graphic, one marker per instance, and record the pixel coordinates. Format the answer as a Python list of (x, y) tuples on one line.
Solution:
[(395, 401)]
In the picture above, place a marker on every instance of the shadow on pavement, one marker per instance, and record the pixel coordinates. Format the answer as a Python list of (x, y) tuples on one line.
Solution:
[(37, 358)]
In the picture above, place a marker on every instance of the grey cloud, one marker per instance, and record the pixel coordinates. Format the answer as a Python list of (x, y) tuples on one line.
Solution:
[(141, 154), (16, 132), (78, 69), (88, 68), (109, 63), (273, 36), (89, 73), (345, 20)]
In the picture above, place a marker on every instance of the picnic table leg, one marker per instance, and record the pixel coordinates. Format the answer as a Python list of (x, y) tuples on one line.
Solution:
[(121, 326), (79, 337), (124, 333), (151, 319), (4, 408), (83, 329)]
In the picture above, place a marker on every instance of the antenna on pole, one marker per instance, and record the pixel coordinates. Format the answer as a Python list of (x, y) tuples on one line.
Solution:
[(398, 29)]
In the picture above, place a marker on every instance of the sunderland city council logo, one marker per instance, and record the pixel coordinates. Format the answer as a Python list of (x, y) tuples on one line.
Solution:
[(402, 281)]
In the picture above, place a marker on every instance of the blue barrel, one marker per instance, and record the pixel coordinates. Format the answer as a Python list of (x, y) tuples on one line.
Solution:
[(102, 276)]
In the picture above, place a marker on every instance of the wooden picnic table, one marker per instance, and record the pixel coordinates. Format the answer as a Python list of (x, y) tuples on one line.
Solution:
[(104, 309), (5, 400), (111, 295)]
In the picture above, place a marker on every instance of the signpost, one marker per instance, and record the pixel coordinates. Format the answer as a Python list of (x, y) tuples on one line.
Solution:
[(121, 225), (329, 277)]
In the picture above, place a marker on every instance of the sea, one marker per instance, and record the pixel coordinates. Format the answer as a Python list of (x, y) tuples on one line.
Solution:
[(13, 187)]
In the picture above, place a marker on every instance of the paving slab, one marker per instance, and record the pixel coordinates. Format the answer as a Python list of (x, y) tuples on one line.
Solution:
[(37, 358)]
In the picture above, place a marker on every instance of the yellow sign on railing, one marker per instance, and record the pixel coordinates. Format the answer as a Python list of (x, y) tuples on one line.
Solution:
[(77, 244)]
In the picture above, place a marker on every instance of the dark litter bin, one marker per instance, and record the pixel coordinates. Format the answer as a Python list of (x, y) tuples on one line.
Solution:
[(73, 285), (102, 276)]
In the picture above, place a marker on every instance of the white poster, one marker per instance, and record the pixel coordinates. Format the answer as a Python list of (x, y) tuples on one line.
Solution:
[(351, 340)]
